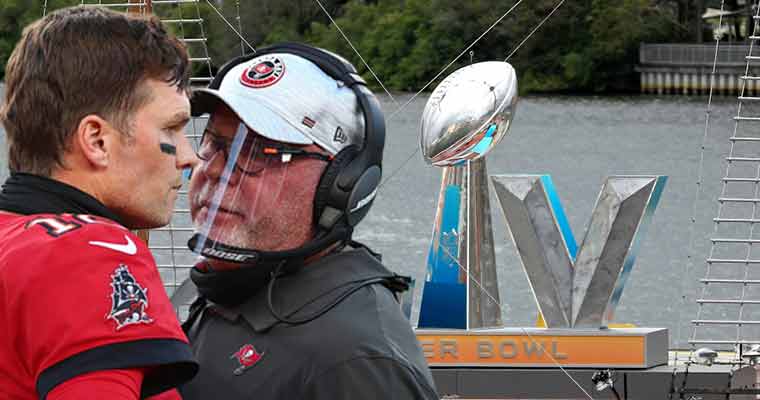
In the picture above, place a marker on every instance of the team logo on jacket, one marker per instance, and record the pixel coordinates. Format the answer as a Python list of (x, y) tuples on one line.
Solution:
[(266, 72), (246, 358), (129, 299)]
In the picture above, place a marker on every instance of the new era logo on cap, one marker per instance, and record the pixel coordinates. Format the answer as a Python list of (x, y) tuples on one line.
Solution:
[(340, 136)]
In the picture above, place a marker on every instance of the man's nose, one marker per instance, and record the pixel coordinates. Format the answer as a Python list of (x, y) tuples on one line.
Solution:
[(186, 157)]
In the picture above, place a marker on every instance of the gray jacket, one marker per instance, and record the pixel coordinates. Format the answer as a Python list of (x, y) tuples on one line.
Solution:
[(361, 348)]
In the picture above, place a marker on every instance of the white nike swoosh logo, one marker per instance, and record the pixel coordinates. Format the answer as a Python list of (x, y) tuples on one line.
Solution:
[(128, 248)]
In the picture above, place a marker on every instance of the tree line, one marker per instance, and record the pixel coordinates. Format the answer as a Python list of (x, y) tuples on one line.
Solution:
[(585, 46)]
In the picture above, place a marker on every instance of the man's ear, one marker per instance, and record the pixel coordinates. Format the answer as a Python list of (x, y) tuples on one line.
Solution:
[(92, 139)]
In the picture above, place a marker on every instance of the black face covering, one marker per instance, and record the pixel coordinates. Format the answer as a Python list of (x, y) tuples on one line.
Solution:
[(28, 194), (233, 287)]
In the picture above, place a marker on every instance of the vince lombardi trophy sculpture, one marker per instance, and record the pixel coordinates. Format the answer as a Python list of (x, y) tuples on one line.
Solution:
[(465, 117), (577, 288)]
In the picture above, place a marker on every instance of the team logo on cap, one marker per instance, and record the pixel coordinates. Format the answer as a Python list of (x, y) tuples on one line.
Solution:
[(266, 71)]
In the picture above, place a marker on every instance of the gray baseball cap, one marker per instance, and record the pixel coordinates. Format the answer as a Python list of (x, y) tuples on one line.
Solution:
[(289, 99)]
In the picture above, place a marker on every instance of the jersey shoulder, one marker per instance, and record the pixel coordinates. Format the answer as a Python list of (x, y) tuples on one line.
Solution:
[(57, 239), (58, 229)]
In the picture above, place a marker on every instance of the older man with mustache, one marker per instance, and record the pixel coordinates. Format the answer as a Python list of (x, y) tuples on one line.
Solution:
[(290, 306)]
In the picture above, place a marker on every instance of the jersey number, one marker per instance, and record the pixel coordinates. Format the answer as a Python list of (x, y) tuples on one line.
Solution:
[(57, 226)]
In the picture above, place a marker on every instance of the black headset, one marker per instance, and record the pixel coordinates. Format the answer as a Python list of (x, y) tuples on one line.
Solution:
[(348, 186)]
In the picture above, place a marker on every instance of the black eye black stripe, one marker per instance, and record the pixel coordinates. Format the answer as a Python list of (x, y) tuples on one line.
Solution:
[(169, 149)]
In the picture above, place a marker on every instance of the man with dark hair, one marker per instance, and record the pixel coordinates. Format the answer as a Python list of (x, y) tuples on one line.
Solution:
[(290, 307), (95, 108)]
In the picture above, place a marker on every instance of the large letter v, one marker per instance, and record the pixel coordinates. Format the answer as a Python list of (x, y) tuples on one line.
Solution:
[(577, 287)]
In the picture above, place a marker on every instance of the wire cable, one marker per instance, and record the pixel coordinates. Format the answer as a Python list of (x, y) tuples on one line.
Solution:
[(417, 150), (230, 25), (501, 307), (356, 51), (535, 29)]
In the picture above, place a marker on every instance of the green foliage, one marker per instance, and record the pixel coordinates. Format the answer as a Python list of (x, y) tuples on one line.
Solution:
[(14, 16), (263, 22), (587, 45), (397, 42), (616, 32), (577, 69), (209, 28)]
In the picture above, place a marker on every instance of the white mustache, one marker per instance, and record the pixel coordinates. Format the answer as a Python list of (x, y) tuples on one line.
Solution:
[(205, 196)]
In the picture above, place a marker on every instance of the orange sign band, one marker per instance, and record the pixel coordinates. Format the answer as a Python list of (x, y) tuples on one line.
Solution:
[(535, 350)]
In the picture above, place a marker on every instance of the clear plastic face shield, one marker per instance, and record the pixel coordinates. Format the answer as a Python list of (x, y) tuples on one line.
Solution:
[(250, 193)]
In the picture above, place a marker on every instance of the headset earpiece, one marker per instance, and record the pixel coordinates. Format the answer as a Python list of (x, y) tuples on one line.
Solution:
[(324, 217), (352, 198)]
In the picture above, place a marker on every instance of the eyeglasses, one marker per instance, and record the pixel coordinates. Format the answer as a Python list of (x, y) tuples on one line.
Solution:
[(255, 154)]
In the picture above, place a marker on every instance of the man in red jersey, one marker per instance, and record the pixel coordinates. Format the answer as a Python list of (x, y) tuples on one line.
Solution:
[(95, 107)]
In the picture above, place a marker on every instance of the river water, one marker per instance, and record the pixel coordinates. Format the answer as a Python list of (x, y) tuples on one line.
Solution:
[(578, 141)]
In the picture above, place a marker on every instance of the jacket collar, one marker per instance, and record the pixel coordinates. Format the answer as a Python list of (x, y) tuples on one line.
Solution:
[(28, 194)]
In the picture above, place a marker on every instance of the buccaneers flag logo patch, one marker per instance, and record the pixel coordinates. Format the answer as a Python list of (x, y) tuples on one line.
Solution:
[(129, 299), (246, 358)]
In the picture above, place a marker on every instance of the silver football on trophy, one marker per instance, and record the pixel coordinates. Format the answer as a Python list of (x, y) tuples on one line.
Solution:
[(468, 113)]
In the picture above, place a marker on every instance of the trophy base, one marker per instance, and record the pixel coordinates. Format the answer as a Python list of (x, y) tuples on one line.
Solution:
[(545, 347)]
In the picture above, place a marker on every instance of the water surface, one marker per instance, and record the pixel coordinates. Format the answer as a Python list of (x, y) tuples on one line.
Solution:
[(579, 141)]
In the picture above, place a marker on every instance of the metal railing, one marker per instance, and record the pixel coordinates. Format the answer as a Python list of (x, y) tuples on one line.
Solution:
[(169, 244), (692, 55)]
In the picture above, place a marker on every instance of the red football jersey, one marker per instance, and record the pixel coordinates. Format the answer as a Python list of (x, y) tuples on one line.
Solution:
[(78, 294)]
